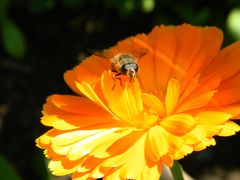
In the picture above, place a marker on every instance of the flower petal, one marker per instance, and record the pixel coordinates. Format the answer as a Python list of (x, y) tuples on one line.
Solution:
[(229, 128), (44, 140), (152, 173), (155, 67), (226, 63), (133, 168), (86, 145), (195, 102), (211, 40), (195, 136), (172, 95), (226, 96), (60, 116), (71, 79), (178, 124), (204, 144), (57, 168), (183, 151), (212, 117), (124, 100), (76, 104), (156, 143), (154, 103), (89, 71), (127, 148), (89, 92)]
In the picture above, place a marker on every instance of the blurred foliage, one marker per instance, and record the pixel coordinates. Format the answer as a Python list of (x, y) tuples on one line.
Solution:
[(51, 36), (13, 39), (7, 171), (233, 22)]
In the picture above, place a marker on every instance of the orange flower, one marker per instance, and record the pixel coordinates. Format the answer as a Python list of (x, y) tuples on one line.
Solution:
[(186, 92)]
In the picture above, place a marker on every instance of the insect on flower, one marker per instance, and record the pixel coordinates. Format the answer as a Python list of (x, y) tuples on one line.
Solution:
[(126, 64)]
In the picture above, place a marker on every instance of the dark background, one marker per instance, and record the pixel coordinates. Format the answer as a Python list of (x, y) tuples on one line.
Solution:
[(41, 39)]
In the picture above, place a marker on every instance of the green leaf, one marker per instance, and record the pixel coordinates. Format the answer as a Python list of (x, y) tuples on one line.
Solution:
[(6, 170), (13, 40), (3, 9), (177, 171)]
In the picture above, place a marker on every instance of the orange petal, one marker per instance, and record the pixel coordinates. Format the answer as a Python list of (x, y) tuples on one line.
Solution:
[(156, 143), (58, 123), (183, 151), (71, 137), (231, 82), (150, 173), (211, 130), (126, 149), (195, 136), (178, 124), (44, 140), (229, 128), (86, 145), (90, 69), (174, 142), (172, 95), (234, 110), (125, 101), (153, 102), (156, 65), (226, 96), (57, 168), (114, 175), (60, 117), (81, 176), (188, 44), (71, 79), (195, 102), (63, 143), (211, 40), (90, 164), (102, 150), (212, 117), (226, 63), (200, 86), (134, 166), (124, 143), (89, 92), (204, 144), (76, 104)]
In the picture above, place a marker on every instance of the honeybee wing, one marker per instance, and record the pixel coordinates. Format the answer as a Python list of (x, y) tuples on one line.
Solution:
[(101, 54), (139, 53)]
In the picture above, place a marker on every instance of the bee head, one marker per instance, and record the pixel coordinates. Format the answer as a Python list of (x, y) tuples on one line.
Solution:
[(130, 70), (131, 73)]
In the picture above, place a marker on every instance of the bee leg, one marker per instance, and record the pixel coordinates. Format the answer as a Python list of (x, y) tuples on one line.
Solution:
[(131, 80), (113, 70), (114, 77)]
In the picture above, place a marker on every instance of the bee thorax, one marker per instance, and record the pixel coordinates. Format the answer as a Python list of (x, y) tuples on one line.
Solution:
[(130, 69)]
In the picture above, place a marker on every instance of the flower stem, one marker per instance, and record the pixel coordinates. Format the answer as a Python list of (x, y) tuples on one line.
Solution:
[(177, 171)]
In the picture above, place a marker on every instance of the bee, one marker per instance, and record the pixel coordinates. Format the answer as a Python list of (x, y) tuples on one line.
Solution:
[(126, 64)]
